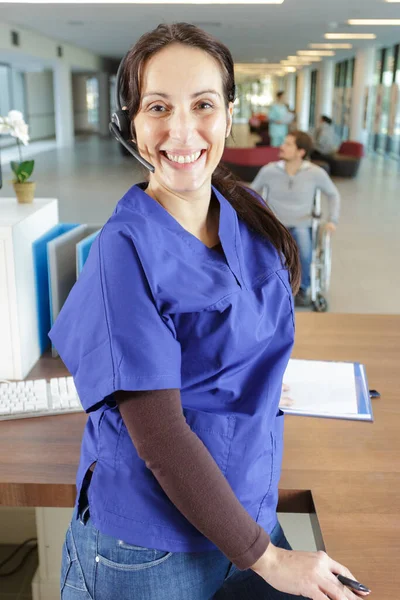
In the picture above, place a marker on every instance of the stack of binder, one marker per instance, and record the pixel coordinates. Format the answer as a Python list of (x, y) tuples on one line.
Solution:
[(59, 256)]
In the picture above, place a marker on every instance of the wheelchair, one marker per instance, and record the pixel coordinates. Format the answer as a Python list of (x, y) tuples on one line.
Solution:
[(321, 262)]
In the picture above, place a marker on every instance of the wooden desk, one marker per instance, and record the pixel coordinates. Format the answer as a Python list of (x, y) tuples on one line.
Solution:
[(349, 471)]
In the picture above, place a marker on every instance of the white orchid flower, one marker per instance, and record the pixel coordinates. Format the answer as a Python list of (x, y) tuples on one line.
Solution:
[(15, 126)]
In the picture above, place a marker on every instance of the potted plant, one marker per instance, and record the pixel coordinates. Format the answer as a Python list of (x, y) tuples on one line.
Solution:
[(13, 124)]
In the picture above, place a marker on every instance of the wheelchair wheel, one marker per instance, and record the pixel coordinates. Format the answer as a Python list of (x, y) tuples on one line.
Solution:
[(325, 262), (320, 304)]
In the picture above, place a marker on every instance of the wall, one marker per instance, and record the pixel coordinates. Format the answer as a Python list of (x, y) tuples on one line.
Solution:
[(38, 46), (16, 525)]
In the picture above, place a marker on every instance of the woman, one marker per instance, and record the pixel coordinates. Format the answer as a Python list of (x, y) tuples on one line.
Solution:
[(325, 140), (279, 117), (177, 334)]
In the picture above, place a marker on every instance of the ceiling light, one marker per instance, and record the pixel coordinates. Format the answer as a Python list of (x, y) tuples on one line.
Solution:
[(392, 0), (332, 46), (299, 58), (303, 59), (373, 21), (350, 36), (316, 53), (290, 69)]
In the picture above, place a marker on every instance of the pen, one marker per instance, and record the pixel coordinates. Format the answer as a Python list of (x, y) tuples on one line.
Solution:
[(354, 585), (374, 394)]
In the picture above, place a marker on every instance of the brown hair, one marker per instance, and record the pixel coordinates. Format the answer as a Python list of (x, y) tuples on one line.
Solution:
[(303, 141), (247, 205)]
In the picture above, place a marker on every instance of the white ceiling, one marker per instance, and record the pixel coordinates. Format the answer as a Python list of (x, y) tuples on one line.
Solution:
[(252, 32)]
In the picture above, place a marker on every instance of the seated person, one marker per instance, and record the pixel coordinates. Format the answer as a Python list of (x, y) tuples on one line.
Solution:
[(325, 143), (289, 187)]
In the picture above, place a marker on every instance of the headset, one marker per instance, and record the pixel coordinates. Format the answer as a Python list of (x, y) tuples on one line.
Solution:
[(120, 125)]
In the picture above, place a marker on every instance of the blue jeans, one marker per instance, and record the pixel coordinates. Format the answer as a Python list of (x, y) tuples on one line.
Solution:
[(98, 567), (303, 238)]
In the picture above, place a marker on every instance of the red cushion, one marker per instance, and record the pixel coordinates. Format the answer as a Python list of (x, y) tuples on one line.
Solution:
[(256, 157), (354, 149)]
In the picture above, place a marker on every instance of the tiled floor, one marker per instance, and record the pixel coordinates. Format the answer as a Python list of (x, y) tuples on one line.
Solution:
[(17, 586), (91, 177)]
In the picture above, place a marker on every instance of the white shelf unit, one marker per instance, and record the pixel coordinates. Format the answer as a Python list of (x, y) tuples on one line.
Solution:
[(20, 226)]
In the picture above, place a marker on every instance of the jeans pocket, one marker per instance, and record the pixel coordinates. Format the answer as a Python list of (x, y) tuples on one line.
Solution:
[(119, 555), (71, 570)]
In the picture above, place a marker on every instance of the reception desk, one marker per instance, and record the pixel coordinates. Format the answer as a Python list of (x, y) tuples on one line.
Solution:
[(346, 472)]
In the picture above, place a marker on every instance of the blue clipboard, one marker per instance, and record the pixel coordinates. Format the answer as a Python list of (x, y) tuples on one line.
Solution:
[(364, 405)]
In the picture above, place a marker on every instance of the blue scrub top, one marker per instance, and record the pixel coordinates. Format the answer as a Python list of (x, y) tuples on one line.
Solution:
[(278, 131), (154, 308)]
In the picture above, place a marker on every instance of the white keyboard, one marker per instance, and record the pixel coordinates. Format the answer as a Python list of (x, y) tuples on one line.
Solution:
[(38, 398)]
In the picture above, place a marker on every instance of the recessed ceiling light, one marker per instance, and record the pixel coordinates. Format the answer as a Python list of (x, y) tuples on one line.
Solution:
[(373, 21), (315, 53), (332, 46), (350, 36), (392, 1), (303, 59)]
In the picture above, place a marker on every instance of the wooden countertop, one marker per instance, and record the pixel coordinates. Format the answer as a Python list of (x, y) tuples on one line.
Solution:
[(349, 471)]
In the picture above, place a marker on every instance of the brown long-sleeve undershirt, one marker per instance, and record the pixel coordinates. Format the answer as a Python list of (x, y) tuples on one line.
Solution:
[(189, 475)]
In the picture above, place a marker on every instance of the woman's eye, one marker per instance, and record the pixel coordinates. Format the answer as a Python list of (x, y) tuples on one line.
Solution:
[(205, 105), (157, 108)]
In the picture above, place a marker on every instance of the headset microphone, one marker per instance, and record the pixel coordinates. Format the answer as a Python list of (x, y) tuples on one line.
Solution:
[(120, 125)]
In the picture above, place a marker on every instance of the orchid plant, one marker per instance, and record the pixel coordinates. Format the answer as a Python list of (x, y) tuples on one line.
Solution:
[(13, 124)]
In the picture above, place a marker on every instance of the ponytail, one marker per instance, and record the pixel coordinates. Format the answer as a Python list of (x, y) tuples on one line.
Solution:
[(261, 219)]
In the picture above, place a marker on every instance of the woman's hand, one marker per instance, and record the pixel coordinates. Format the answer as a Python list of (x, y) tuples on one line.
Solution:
[(308, 574)]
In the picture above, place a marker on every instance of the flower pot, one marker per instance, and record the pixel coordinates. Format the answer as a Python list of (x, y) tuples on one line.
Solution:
[(25, 192)]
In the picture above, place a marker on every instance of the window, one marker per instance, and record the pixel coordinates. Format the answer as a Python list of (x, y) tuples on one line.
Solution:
[(92, 100)]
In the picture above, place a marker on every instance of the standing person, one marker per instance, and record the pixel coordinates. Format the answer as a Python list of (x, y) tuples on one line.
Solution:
[(325, 142), (289, 187), (279, 117), (177, 334)]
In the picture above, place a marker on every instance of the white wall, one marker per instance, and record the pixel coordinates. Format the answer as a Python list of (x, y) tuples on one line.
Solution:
[(40, 105), (39, 46), (16, 525)]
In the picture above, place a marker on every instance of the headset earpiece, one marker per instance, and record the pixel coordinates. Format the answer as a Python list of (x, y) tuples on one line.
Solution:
[(121, 119), (120, 125)]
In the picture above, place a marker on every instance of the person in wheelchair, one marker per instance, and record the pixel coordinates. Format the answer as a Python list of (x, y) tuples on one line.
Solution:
[(288, 187)]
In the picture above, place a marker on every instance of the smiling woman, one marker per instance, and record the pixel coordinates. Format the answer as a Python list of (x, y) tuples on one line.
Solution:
[(177, 334)]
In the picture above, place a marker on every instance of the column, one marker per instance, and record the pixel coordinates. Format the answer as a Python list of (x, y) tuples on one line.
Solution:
[(64, 118), (303, 98), (290, 90), (326, 84), (363, 78), (104, 104)]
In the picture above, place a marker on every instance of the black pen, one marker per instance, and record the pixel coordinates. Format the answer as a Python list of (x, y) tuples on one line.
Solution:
[(354, 585)]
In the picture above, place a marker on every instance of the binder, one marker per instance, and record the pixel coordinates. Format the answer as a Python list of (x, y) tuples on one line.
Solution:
[(83, 249), (61, 258), (332, 390), (41, 274)]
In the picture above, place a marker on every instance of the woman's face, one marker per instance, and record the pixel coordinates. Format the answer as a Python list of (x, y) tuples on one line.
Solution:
[(182, 121)]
